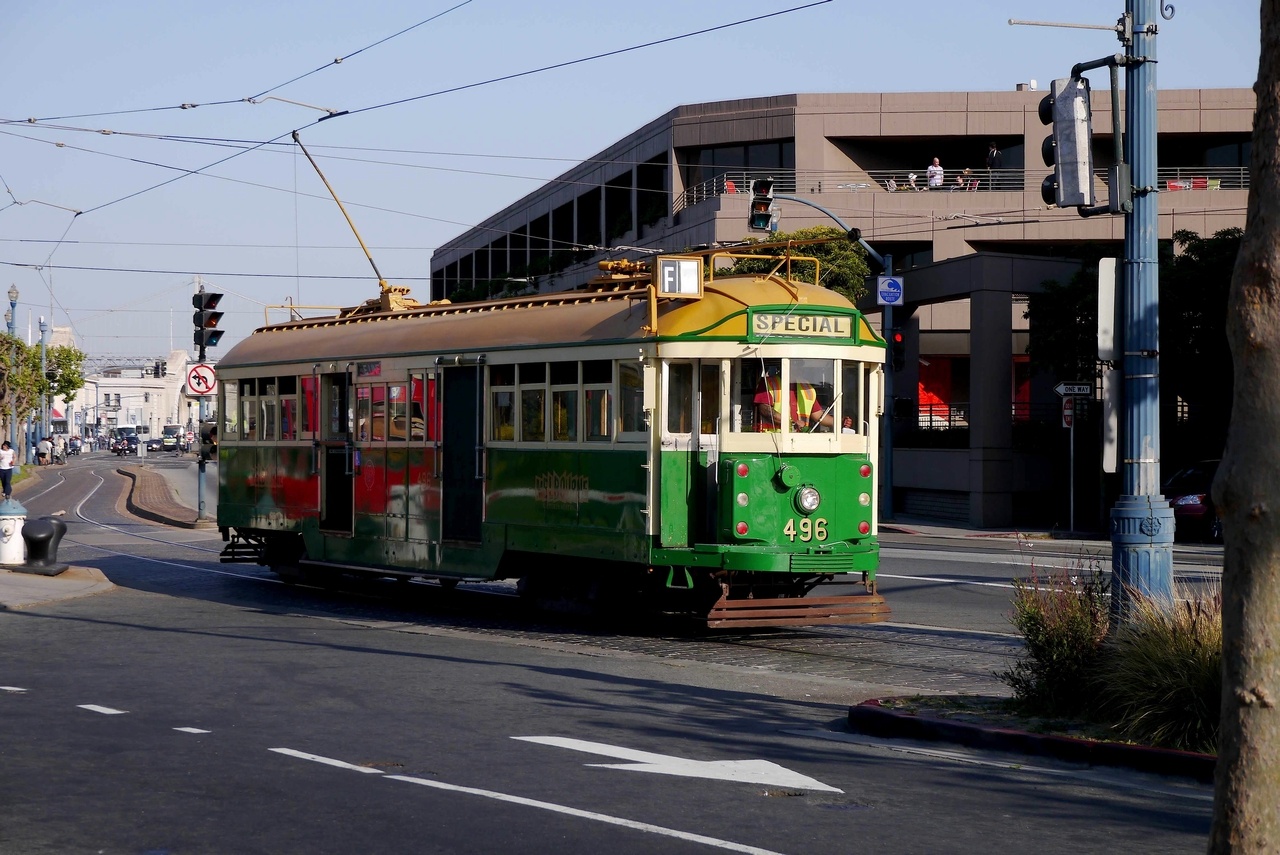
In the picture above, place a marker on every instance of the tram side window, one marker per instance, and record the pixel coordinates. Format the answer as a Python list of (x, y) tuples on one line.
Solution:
[(267, 410), (680, 397), (564, 401), (397, 413), (364, 413), (230, 411), (248, 409), (533, 401), (310, 406), (631, 397), (597, 377), (288, 387), (422, 396), (502, 381)]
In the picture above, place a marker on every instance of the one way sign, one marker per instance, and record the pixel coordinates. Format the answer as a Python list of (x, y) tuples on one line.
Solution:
[(1078, 388)]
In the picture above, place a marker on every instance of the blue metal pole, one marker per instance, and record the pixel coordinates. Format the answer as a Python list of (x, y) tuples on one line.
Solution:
[(1141, 521)]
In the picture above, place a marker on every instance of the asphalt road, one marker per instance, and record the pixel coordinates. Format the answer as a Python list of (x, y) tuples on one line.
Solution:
[(208, 708)]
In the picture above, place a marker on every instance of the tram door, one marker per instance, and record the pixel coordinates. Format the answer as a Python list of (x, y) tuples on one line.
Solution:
[(690, 452), (462, 449), (337, 482)]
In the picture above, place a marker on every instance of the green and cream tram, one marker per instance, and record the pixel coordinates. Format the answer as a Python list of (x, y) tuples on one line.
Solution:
[(705, 442)]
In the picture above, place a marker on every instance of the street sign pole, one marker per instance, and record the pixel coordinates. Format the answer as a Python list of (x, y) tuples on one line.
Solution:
[(1141, 520)]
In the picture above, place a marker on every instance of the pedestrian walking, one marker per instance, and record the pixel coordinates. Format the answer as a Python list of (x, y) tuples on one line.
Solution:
[(8, 457)]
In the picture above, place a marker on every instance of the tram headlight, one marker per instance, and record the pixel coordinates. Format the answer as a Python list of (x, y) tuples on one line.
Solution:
[(807, 499), (742, 500), (864, 499)]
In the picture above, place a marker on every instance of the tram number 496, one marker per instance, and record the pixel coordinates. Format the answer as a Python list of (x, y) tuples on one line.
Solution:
[(806, 530)]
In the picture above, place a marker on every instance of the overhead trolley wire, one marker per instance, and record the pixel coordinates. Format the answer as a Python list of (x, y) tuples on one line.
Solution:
[(570, 62), (252, 99), (278, 137)]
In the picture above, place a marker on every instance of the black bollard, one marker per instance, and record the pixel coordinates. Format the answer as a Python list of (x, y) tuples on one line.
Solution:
[(42, 537)]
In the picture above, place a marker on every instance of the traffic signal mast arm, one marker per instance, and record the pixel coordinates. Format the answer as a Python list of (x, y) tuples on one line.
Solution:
[(1069, 148)]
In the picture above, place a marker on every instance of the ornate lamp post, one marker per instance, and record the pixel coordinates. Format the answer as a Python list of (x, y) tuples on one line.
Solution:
[(10, 320)]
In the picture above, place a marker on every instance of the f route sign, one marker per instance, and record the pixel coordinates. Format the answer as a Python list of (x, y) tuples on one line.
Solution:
[(1078, 388)]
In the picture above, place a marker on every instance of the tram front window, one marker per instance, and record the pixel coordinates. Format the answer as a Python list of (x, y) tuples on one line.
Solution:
[(805, 400)]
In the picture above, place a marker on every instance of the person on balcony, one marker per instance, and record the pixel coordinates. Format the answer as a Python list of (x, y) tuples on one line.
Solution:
[(934, 175)]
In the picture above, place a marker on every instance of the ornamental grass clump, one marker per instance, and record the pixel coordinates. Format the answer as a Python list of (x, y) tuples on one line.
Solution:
[(1161, 674), (1063, 620)]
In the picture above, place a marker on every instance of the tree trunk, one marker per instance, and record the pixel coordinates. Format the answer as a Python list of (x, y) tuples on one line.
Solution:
[(1246, 811)]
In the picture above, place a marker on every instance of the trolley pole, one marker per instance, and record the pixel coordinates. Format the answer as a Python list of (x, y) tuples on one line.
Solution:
[(886, 427), (1141, 521)]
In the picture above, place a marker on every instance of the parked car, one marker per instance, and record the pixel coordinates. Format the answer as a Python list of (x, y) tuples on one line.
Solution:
[(155, 443), (1194, 514)]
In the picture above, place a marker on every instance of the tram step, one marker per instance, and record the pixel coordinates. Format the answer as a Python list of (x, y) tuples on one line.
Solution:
[(799, 611)]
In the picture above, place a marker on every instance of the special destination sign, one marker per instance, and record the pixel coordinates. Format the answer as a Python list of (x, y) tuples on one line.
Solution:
[(795, 324)]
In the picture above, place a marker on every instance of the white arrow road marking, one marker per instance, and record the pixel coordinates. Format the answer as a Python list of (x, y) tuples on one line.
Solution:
[(727, 845), (743, 771), (103, 710), (192, 730), (11, 689)]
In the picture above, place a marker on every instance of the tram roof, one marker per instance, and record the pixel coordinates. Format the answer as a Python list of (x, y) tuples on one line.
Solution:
[(568, 318)]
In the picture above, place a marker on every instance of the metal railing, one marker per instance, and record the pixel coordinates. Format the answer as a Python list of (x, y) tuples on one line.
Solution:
[(819, 182)]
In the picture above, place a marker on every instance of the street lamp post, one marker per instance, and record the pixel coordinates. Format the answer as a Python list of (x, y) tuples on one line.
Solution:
[(44, 398), (10, 319)]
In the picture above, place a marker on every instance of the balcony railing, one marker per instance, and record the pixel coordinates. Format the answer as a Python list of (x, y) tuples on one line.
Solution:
[(821, 182)]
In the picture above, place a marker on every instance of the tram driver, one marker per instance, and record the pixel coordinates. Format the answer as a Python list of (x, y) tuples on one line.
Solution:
[(805, 410)]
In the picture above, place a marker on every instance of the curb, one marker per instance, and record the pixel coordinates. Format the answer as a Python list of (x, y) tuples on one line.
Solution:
[(174, 515), (871, 718)]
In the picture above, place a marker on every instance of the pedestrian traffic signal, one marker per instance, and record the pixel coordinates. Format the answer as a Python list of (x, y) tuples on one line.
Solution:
[(206, 318), (760, 217), (897, 349), (1069, 149)]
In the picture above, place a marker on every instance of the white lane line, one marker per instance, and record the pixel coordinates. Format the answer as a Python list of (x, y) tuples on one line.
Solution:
[(328, 761), (882, 575), (727, 845), (11, 689), (192, 730), (103, 710)]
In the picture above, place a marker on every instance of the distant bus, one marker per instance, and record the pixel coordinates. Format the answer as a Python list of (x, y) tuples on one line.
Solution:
[(173, 438)]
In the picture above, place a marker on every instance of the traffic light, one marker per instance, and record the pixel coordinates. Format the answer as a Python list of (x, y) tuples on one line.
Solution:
[(761, 216), (206, 318), (161, 369), (208, 441), (897, 349), (1069, 148)]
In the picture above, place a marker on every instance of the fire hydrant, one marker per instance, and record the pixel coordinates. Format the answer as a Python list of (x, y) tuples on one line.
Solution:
[(12, 517)]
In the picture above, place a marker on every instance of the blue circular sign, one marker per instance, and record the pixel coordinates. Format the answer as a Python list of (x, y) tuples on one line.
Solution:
[(890, 290)]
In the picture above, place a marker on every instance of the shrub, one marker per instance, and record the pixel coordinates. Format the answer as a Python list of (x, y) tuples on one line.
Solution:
[(1161, 674), (1063, 620)]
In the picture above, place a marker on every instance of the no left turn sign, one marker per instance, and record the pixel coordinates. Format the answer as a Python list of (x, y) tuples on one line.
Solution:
[(201, 380)]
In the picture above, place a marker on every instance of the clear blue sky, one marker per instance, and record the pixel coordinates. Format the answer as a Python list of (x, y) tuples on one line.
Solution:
[(261, 228)]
